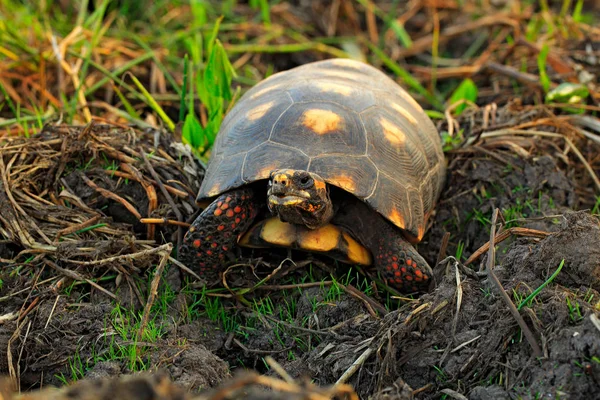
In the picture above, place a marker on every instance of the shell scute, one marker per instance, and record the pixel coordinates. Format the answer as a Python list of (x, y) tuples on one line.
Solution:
[(346, 121), (320, 128), (346, 94), (221, 175), (357, 175), (395, 147), (250, 124), (269, 157)]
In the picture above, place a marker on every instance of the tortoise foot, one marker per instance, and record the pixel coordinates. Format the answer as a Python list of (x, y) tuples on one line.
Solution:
[(401, 266), (214, 233)]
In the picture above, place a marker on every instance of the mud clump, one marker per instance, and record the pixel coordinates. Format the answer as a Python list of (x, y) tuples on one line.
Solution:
[(578, 244), (88, 333), (472, 344), (196, 368)]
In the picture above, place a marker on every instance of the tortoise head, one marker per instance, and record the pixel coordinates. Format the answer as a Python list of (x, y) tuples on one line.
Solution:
[(299, 197)]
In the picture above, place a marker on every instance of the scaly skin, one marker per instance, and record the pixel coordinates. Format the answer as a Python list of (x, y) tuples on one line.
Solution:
[(398, 262), (214, 233), (400, 265)]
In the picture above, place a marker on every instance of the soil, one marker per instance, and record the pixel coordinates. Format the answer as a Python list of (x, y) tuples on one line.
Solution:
[(460, 337), (77, 266)]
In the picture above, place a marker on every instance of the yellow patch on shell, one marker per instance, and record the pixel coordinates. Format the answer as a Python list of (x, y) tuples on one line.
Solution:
[(321, 121), (397, 218), (357, 254), (410, 99), (278, 233), (328, 239), (260, 111), (420, 232), (263, 91), (322, 239), (335, 88), (404, 112), (345, 182), (215, 190), (391, 132)]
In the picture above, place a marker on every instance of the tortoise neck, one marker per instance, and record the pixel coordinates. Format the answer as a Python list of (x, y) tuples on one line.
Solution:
[(361, 221)]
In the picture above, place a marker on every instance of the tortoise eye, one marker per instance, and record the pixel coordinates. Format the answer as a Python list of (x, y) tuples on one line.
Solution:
[(306, 181)]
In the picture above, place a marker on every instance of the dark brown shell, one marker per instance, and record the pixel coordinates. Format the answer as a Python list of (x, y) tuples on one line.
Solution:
[(347, 122)]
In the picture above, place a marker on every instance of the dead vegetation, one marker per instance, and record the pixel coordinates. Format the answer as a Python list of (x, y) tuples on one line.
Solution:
[(90, 213)]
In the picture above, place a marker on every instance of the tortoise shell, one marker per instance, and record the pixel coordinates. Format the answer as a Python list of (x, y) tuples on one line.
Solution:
[(345, 121)]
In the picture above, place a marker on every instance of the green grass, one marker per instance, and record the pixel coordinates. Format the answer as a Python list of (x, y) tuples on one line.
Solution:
[(533, 294), (460, 248), (76, 370), (525, 204), (118, 343), (120, 340), (440, 374), (465, 93), (596, 208), (278, 307), (575, 313), (197, 67)]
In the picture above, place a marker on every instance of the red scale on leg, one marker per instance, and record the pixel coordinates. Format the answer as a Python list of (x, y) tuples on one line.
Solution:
[(401, 265), (215, 234)]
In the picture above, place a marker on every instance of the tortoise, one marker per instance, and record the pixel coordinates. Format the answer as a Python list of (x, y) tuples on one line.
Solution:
[(332, 157)]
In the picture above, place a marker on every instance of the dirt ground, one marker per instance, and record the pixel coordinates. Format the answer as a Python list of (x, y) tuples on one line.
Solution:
[(460, 338), (90, 293)]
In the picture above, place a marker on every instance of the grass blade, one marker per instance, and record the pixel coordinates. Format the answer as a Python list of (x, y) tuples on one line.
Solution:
[(543, 285), (153, 104)]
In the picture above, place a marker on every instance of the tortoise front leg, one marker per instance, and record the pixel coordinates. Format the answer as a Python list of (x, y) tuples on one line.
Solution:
[(214, 233), (399, 263)]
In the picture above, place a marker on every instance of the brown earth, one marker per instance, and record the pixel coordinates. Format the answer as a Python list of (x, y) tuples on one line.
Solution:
[(461, 337), (77, 266)]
